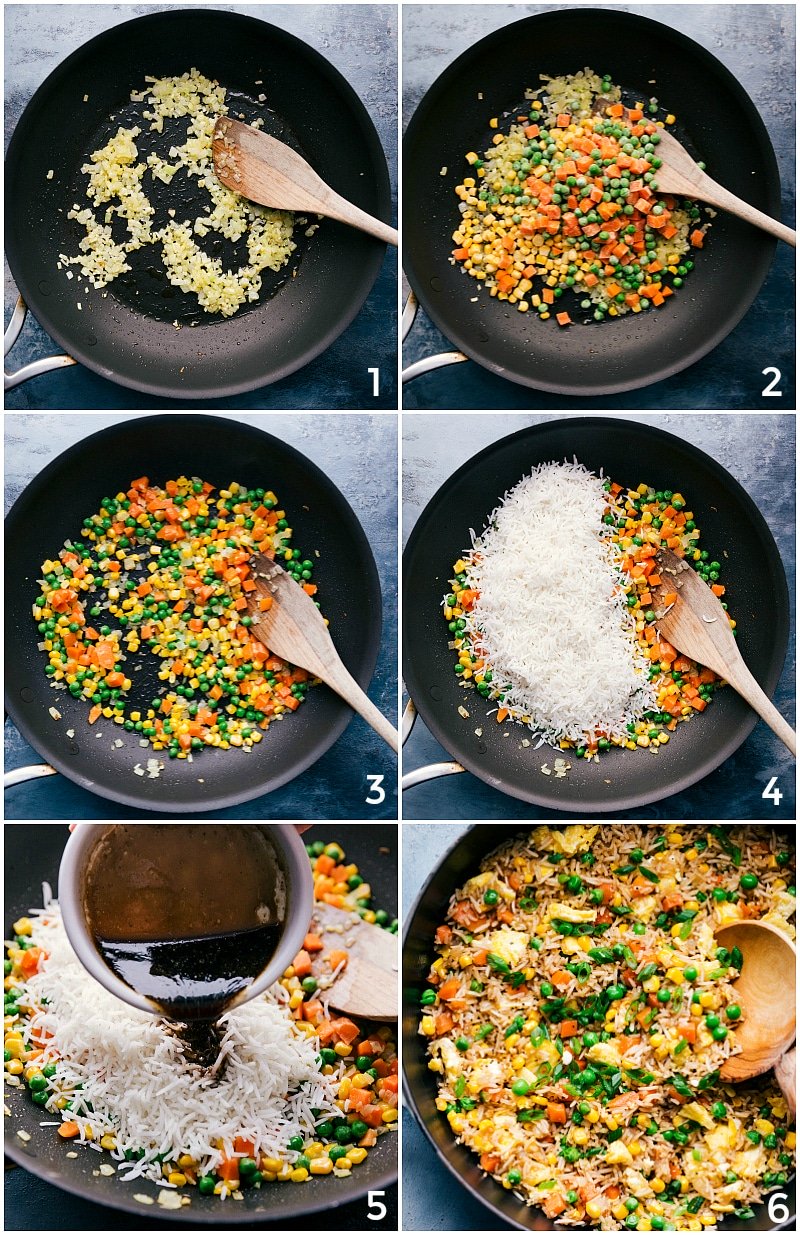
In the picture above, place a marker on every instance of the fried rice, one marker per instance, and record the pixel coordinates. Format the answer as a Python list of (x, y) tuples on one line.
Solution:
[(580, 1010)]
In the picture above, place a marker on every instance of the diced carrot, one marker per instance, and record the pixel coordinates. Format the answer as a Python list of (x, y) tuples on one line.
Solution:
[(554, 1205), (345, 1030), (444, 935), (443, 1022), (563, 319), (556, 1112), (302, 964), (568, 1029), (450, 988), (561, 977), (94, 713), (243, 1146), (688, 1031), (489, 1162), (717, 589), (336, 958), (313, 943), (502, 713), (68, 1129), (673, 900), (461, 254), (696, 238), (228, 1170), (324, 864)]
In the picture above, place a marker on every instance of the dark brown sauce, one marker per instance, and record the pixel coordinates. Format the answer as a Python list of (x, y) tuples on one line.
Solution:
[(187, 915)]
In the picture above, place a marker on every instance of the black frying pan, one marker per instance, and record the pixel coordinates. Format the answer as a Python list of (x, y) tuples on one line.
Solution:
[(128, 335), (733, 530), (33, 854), (219, 450), (462, 860), (714, 114)]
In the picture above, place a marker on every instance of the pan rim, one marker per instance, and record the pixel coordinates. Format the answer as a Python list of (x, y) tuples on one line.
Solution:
[(599, 806), (372, 643), (660, 372), (373, 250), (409, 1091)]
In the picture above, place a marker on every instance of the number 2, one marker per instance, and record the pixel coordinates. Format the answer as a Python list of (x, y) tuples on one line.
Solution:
[(769, 391)]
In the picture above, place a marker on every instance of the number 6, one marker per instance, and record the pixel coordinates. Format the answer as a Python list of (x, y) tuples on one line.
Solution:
[(776, 1208)]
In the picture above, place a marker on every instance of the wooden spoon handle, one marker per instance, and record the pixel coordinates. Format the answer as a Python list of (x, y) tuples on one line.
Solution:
[(742, 680), (786, 1076), (345, 685), (709, 191), (336, 207)]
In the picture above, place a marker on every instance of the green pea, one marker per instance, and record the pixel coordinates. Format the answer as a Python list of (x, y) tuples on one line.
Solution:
[(514, 1177), (748, 882), (690, 973), (206, 1185), (336, 1152), (733, 1012), (546, 989), (358, 1128), (719, 1034), (520, 1088), (490, 897)]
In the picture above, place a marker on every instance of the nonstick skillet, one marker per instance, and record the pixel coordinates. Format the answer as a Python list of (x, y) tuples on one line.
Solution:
[(32, 855), (126, 332), (715, 117), (733, 530), (220, 450), (460, 861)]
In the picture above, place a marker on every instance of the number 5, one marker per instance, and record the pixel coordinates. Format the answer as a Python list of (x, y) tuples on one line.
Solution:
[(377, 1209)]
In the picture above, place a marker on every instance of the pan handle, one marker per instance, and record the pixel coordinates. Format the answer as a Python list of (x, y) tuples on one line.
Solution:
[(429, 363), (432, 770), (34, 770), (45, 365)]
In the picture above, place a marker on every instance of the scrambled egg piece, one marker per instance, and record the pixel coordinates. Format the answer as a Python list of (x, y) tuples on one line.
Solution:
[(568, 913), (696, 1111), (564, 840), (604, 1052), (479, 883), (510, 946), (617, 1153)]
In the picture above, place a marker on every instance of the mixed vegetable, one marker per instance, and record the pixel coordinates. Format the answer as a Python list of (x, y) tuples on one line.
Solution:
[(579, 1011), (567, 201), (363, 1060), (641, 521), (168, 569)]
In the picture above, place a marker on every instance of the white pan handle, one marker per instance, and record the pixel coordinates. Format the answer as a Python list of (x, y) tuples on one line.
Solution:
[(34, 770), (430, 362), (432, 770), (36, 367)]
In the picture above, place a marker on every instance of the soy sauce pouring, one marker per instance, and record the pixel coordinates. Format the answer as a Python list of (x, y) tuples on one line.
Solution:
[(186, 921)]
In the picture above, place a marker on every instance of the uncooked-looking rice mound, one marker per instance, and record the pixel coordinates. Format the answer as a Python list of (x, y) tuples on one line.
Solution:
[(579, 1012)]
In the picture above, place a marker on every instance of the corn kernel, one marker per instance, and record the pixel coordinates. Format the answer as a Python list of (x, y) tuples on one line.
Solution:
[(341, 1048), (345, 1085), (764, 1126), (177, 1178), (299, 1175), (108, 1141), (791, 1140), (273, 1164), (321, 1166), (657, 1185), (593, 1209), (390, 1116), (14, 1067), (356, 1155)]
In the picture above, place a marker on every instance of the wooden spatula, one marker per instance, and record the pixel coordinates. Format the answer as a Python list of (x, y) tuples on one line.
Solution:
[(767, 992), (269, 172), (680, 175), (294, 629), (697, 625), (368, 984)]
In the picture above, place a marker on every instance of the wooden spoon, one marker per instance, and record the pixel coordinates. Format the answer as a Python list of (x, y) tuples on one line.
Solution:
[(269, 172), (368, 984), (294, 629), (767, 992), (697, 625), (680, 175)]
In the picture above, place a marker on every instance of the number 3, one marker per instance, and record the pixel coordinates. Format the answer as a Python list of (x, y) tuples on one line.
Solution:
[(377, 793)]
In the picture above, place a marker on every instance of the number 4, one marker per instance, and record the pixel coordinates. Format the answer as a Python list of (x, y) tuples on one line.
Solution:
[(772, 793)]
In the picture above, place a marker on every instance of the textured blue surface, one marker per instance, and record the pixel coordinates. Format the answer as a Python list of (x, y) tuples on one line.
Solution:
[(39, 36), (759, 450), (359, 453), (757, 43)]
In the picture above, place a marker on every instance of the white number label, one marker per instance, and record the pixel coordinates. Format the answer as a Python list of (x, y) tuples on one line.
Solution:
[(376, 374), (377, 1209), (377, 793), (772, 793), (777, 1208), (769, 391)]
